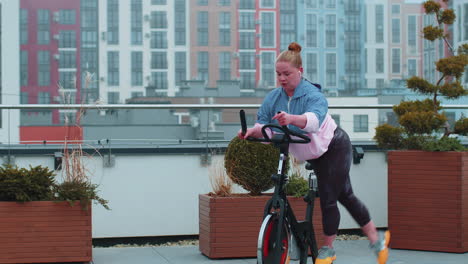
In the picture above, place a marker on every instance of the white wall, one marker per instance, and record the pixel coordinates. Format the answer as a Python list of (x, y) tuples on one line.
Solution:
[(9, 130), (157, 195)]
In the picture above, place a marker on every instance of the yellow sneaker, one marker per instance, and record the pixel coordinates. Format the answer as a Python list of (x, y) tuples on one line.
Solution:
[(380, 248), (326, 255)]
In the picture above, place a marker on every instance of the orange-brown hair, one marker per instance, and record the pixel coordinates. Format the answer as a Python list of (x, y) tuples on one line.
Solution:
[(292, 55)]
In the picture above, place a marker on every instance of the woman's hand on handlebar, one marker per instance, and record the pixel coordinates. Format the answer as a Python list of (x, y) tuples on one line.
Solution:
[(255, 132)]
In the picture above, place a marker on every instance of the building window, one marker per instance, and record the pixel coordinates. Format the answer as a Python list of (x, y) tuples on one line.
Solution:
[(412, 34), (224, 2), (224, 28), (43, 98), (380, 83), (158, 40), (247, 40), (330, 4), (159, 80), (67, 16), (158, 19), (225, 66), (24, 98), (137, 68), (179, 19), (67, 59), (180, 67), (331, 69), (268, 68), (379, 61), (247, 80), (465, 21), (112, 22), (89, 64), (23, 26), (337, 119), (24, 66), (412, 71), (68, 117), (113, 97), (361, 123), (158, 2), (113, 68), (288, 26), (67, 39), (43, 27), (311, 30), (311, 3), (267, 4), (247, 61), (395, 9), (247, 4), (203, 65), (136, 14), (330, 31), (202, 22), (379, 23), (311, 67), (43, 61), (268, 29), (396, 60), (247, 20), (202, 2), (159, 60), (396, 30), (67, 80)]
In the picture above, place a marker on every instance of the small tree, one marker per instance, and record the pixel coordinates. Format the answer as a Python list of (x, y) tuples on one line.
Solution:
[(422, 120)]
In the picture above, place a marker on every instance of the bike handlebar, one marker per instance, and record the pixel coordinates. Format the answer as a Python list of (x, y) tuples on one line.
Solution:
[(285, 138)]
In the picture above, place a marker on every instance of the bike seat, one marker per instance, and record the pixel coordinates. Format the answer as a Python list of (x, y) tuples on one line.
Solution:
[(310, 165)]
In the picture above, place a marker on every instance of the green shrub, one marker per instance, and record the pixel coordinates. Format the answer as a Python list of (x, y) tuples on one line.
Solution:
[(251, 164), (82, 191), (22, 185), (421, 120), (38, 184), (297, 186)]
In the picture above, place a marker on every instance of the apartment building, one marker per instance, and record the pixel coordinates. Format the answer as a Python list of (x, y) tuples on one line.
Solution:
[(49, 66), (460, 29), (404, 41)]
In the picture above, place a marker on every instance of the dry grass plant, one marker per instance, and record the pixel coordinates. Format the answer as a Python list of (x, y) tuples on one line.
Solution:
[(221, 184), (76, 185)]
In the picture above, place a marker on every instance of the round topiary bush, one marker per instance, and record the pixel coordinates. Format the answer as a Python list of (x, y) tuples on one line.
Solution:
[(251, 164)]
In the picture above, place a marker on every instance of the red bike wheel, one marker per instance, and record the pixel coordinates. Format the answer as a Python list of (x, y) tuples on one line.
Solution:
[(267, 242)]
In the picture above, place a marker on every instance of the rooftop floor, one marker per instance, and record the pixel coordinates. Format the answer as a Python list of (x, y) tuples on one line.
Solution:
[(348, 252)]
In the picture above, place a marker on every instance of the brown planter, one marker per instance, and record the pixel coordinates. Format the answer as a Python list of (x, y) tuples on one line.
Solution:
[(428, 200), (38, 232), (229, 226)]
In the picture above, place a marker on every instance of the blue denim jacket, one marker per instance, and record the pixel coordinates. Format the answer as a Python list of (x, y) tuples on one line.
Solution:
[(307, 97)]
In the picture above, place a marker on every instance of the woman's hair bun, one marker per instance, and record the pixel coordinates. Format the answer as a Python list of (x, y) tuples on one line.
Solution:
[(294, 47)]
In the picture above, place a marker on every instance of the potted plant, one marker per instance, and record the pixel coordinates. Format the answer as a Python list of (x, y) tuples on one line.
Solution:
[(427, 176), (42, 220), (229, 222)]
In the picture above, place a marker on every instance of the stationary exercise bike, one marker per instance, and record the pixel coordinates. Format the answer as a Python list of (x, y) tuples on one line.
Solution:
[(282, 237)]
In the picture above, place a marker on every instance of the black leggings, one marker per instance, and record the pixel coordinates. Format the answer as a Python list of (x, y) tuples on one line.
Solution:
[(334, 184)]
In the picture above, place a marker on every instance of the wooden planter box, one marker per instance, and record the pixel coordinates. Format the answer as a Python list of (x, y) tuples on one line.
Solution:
[(428, 200), (38, 232), (229, 226)]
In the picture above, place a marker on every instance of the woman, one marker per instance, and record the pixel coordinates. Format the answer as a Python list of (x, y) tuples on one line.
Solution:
[(302, 106)]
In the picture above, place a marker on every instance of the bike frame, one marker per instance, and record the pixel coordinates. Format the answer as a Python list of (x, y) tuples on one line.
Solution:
[(303, 231)]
